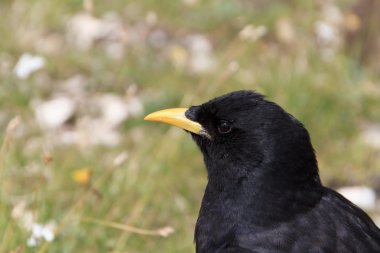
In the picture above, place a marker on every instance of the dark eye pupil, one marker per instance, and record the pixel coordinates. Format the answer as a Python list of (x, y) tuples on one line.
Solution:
[(224, 127)]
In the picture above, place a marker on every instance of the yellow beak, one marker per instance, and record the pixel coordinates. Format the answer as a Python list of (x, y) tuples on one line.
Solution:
[(176, 117)]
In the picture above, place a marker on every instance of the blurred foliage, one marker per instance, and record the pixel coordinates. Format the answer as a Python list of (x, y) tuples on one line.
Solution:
[(161, 182)]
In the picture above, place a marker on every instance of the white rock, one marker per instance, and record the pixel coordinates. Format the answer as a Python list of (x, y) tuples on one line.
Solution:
[(48, 234), (83, 30), (201, 63), (41, 231), (201, 57), (32, 242), (199, 43), (97, 132), (253, 33), (27, 64), (37, 230), (68, 137), (135, 106), (362, 196), (329, 29), (48, 231), (114, 109), (371, 135), (326, 33), (90, 132), (54, 113)]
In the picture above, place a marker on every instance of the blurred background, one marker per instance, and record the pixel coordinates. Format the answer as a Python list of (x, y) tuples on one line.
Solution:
[(80, 171)]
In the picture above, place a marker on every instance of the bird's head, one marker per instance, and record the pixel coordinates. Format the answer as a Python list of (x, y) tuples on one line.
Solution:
[(241, 134)]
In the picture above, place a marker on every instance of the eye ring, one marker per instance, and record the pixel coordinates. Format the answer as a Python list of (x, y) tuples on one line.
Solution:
[(224, 127)]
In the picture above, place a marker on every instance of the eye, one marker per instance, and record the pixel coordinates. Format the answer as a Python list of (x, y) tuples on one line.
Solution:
[(224, 127)]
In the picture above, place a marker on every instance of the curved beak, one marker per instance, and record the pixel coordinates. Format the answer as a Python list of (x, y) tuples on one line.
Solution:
[(176, 117)]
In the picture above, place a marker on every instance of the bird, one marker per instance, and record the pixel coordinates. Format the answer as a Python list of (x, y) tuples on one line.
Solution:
[(264, 193)]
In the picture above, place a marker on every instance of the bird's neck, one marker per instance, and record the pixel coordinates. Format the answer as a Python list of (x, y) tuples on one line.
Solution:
[(268, 197)]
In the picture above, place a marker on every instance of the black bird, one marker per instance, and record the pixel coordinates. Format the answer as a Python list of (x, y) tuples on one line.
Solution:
[(264, 194)]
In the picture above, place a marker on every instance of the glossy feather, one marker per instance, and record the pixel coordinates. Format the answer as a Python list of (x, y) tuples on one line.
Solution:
[(264, 193)]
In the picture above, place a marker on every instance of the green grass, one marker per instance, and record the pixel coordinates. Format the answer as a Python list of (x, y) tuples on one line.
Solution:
[(162, 181)]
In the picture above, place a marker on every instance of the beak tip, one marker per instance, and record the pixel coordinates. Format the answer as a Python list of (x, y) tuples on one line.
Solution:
[(149, 117)]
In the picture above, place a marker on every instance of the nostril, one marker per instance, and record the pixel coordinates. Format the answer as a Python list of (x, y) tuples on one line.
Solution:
[(191, 112)]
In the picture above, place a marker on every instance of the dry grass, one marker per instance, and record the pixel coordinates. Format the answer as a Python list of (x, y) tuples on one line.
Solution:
[(160, 182)]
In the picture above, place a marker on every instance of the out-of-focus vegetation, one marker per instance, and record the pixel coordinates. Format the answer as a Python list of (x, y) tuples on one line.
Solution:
[(79, 168)]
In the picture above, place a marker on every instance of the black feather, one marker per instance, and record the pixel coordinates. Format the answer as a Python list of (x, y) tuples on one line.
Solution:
[(264, 193)]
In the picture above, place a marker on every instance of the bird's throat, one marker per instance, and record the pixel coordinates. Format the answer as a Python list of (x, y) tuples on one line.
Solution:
[(269, 197)]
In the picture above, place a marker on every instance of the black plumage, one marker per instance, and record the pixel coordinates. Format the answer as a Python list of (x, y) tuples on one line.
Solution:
[(264, 193)]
